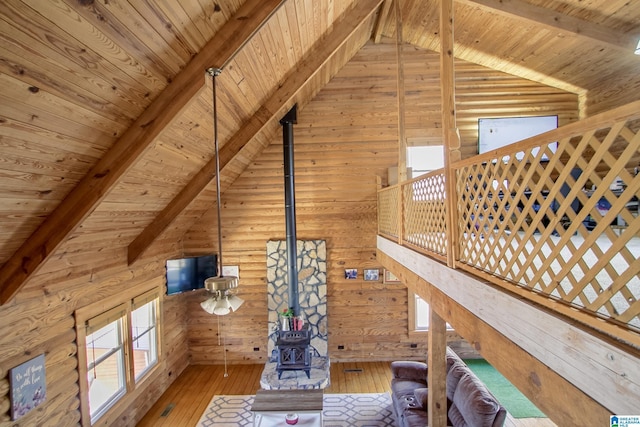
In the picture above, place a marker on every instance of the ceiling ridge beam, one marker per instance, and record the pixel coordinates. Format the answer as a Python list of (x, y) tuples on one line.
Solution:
[(273, 108), (131, 146), (558, 21)]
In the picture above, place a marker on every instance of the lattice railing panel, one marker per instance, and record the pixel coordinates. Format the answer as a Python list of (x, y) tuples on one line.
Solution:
[(564, 224), (558, 219), (424, 213), (389, 211)]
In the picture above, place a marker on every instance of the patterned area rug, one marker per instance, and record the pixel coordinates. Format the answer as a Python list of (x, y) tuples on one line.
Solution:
[(340, 410)]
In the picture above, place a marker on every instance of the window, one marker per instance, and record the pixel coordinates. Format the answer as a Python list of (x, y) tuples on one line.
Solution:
[(422, 314), (144, 337), (105, 360), (425, 159), (419, 314), (120, 348)]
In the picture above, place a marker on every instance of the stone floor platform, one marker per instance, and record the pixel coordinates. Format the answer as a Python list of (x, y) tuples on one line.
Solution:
[(319, 376)]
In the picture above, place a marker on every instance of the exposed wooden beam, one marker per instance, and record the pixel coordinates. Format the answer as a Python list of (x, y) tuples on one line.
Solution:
[(382, 18), (521, 331), (402, 130), (558, 21), (273, 108), (437, 378), (92, 189), (449, 129)]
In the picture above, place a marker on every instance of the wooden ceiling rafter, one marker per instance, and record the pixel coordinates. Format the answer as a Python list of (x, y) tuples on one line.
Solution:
[(558, 21), (272, 109), (119, 159), (382, 18)]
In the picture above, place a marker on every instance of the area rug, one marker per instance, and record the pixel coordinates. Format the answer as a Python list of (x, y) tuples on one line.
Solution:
[(340, 410), (509, 396)]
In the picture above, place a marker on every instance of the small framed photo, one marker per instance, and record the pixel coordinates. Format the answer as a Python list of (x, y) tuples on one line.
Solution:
[(389, 277), (372, 275), (350, 273)]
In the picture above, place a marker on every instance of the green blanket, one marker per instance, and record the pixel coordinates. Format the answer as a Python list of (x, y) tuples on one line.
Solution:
[(510, 397)]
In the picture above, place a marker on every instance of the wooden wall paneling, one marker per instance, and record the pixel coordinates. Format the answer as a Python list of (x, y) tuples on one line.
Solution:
[(346, 135), (70, 282), (122, 155), (252, 189), (269, 111), (41, 32), (97, 94)]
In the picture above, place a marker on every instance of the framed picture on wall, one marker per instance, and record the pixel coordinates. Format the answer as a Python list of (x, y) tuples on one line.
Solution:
[(372, 275), (350, 273), (389, 277)]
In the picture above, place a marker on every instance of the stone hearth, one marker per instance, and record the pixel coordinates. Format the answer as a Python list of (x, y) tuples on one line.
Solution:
[(312, 288)]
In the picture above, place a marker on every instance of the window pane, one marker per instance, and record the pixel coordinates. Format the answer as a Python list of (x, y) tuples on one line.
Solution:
[(424, 159), (422, 314), (105, 368), (145, 338)]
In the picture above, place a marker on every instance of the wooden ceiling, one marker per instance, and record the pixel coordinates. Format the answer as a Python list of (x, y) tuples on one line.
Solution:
[(106, 109)]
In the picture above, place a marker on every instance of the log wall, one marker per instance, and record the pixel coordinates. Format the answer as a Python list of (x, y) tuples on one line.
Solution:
[(345, 139), (41, 320)]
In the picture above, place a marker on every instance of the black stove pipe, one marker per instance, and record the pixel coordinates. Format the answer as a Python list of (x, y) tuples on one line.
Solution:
[(287, 123)]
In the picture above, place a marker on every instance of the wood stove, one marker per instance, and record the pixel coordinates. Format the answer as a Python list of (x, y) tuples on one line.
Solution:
[(293, 352)]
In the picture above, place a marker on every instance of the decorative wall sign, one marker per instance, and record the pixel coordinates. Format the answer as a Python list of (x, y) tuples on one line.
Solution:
[(372, 275), (28, 386)]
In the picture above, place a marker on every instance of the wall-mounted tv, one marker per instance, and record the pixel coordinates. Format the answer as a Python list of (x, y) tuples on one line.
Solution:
[(494, 133), (187, 274)]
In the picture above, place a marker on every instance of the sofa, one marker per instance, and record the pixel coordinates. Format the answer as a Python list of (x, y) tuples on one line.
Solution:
[(469, 402)]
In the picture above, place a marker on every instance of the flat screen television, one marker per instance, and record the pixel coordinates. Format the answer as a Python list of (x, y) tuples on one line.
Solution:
[(494, 133), (187, 274)]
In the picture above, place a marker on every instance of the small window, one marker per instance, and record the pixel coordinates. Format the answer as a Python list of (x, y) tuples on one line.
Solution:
[(423, 159), (144, 338), (422, 314), (419, 314)]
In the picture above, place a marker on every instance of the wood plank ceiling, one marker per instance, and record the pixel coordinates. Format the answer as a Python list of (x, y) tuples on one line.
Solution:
[(105, 108)]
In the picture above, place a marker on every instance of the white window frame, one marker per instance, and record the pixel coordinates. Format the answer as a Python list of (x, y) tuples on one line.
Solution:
[(103, 313), (415, 304)]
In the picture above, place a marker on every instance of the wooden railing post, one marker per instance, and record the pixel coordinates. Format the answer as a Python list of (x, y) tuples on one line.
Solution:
[(402, 141), (450, 135), (437, 378)]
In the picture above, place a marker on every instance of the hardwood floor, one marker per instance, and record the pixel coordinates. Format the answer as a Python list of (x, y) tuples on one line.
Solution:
[(187, 398)]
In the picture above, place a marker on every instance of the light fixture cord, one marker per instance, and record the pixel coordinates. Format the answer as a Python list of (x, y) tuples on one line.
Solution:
[(214, 72)]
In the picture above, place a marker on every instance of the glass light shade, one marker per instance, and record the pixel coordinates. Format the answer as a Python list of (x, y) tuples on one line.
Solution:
[(209, 305), (235, 302), (222, 307)]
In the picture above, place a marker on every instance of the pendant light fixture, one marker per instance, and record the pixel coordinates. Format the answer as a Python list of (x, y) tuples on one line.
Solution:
[(223, 299)]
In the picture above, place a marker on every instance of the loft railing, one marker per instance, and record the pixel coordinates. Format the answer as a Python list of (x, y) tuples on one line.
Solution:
[(553, 218)]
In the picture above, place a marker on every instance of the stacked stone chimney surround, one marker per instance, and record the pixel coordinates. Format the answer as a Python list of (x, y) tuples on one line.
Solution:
[(312, 287)]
